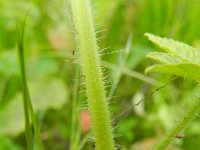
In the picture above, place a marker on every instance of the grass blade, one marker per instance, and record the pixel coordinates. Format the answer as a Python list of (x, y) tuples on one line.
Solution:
[(28, 108)]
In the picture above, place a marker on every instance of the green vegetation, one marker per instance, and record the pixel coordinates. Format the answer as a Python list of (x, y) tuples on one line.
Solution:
[(90, 62), (79, 76), (180, 59), (28, 108)]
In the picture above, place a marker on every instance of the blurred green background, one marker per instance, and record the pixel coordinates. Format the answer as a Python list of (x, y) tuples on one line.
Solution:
[(61, 111)]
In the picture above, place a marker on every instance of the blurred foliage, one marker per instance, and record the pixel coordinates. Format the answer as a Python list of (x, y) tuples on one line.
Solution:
[(49, 43)]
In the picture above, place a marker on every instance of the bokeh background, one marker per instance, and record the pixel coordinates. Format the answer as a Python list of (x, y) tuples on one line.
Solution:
[(50, 55)]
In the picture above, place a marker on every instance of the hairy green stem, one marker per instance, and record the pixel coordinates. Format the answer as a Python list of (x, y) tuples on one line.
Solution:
[(179, 126), (90, 61)]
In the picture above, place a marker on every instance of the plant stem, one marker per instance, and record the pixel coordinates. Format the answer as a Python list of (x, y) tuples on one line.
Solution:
[(90, 61), (132, 73), (73, 130), (28, 128), (28, 108), (179, 126)]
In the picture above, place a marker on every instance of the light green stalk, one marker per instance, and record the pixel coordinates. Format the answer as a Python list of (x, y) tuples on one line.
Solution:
[(179, 126), (90, 61), (29, 114)]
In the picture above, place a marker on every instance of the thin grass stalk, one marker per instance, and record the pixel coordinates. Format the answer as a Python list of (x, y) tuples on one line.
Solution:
[(28, 127), (73, 131), (28, 108), (179, 126)]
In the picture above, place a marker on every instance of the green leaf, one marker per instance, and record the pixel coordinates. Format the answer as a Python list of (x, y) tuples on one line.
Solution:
[(178, 58), (187, 70), (170, 46), (166, 58)]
